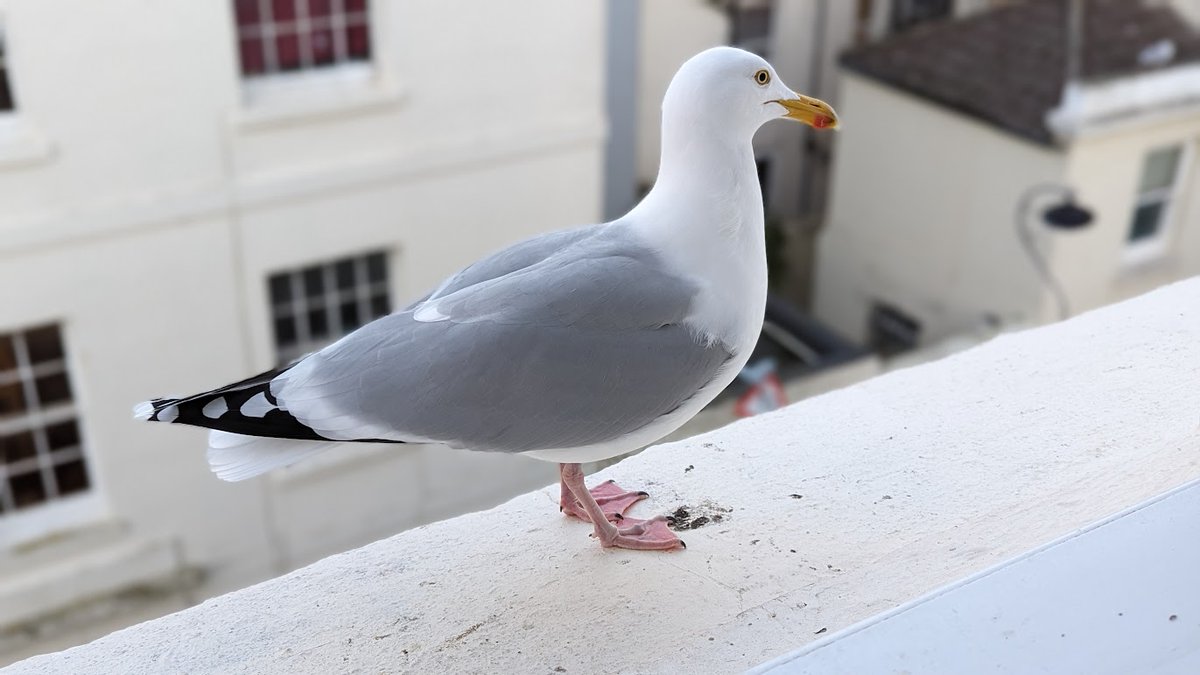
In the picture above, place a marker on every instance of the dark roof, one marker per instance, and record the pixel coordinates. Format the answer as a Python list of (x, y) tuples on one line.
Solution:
[(1006, 66)]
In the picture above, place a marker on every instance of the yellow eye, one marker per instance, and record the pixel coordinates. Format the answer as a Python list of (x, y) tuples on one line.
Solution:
[(762, 76)]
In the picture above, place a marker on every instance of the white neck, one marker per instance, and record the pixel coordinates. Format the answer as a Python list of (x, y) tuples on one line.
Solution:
[(705, 215), (707, 180)]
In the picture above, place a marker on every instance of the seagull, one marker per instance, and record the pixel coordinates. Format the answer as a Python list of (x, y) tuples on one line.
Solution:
[(569, 347)]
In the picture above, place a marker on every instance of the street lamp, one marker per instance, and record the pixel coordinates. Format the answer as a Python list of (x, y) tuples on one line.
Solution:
[(1064, 214)]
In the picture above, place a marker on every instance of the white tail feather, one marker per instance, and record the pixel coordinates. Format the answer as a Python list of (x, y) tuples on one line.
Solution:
[(235, 457), (143, 410)]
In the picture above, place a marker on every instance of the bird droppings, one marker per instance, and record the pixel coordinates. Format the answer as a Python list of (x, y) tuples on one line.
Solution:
[(886, 497), (467, 632), (559, 669), (692, 517), (1172, 617), (754, 541), (821, 631), (796, 496), (689, 467)]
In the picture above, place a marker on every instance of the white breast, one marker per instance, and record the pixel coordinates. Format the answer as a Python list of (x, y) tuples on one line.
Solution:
[(716, 239)]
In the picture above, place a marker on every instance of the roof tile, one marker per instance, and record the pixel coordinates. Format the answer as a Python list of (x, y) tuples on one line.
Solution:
[(1007, 66)]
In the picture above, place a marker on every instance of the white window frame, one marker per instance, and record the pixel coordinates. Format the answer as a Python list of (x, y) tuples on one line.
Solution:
[(281, 98), (60, 513), (20, 142), (1149, 249)]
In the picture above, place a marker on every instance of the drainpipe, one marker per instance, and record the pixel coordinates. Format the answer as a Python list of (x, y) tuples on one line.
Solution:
[(1074, 43), (810, 207)]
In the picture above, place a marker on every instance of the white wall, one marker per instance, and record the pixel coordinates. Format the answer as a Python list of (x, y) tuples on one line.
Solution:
[(921, 216), (159, 191)]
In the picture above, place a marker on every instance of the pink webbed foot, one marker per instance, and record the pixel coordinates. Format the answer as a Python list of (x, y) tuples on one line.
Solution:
[(608, 502), (641, 535), (613, 500)]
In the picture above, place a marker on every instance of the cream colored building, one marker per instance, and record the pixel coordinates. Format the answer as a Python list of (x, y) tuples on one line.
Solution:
[(942, 141), (191, 192)]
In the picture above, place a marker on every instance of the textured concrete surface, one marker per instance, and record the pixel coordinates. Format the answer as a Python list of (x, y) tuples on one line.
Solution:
[(831, 511), (1114, 598)]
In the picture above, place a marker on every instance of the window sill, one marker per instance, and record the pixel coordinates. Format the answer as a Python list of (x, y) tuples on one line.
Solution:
[(21, 144), (1143, 255), (287, 99), (1134, 274), (79, 566), (46, 522)]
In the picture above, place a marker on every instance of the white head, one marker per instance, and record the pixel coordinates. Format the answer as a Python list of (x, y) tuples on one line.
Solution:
[(726, 90)]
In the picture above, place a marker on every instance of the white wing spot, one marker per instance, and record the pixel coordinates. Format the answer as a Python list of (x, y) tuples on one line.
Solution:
[(428, 313), (168, 414), (257, 406), (143, 410), (215, 408)]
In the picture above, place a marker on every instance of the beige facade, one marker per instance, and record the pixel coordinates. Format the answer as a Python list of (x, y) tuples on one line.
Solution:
[(1099, 265), (923, 214), (147, 193)]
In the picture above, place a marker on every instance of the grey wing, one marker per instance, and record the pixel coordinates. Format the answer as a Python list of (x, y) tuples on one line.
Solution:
[(517, 256), (580, 347)]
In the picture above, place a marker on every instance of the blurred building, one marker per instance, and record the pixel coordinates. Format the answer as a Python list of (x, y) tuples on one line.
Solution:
[(949, 126), (191, 192), (802, 39)]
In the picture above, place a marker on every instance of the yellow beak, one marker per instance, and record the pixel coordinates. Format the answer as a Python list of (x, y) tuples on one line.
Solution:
[(812, 111)]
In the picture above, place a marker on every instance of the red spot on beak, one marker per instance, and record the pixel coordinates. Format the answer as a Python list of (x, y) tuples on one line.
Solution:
[(821, 121)]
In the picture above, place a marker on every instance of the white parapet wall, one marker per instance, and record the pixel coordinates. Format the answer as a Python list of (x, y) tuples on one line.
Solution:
[(819, 515)]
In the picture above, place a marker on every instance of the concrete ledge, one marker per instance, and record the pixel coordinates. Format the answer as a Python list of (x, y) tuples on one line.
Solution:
[(831, 510)]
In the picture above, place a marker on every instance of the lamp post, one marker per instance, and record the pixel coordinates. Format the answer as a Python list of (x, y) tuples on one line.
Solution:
[(1065, 214)]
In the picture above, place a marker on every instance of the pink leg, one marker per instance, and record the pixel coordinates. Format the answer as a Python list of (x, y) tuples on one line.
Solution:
[(613, 500), (650, 534)]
